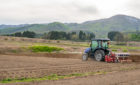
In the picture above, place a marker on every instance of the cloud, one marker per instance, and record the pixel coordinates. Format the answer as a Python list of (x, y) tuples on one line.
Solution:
[(86, 9), (89, 10), (133, 7), (44, 11)]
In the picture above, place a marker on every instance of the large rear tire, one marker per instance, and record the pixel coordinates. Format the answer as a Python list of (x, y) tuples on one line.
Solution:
[(85, 57), (99, 55)]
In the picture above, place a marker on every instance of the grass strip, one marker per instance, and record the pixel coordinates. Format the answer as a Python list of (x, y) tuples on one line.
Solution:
[(124, 47), (57, 77), (51, 77), (44, 48)]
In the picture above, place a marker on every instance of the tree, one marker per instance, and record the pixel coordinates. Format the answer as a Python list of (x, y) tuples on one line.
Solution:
[(135, 36), (74, 37), (68, 36), (91, 35), (119, 38), (28, 34), (82, 35), (53, 35), (44, 36), (18, 34), (115, 35)]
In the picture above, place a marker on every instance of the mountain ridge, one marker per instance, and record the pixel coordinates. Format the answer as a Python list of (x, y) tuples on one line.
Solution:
[(123, 23)]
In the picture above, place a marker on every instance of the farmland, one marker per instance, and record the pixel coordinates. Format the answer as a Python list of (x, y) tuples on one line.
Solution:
[(19, 62)]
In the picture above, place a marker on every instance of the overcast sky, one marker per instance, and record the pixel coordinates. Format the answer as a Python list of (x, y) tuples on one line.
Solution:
[(45, 11)]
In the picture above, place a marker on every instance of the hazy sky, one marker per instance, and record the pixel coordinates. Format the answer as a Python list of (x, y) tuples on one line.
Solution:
[(45, 11)]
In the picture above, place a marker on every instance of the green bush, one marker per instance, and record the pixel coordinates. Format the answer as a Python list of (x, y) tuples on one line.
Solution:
[(44, 49), (114, 50), (125, 50)]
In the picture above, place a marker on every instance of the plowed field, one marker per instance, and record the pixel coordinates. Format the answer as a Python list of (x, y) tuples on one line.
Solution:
[(28, 67)]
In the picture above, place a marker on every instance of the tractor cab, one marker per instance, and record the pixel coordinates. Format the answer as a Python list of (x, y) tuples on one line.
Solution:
[(99, 44), (98, 49)]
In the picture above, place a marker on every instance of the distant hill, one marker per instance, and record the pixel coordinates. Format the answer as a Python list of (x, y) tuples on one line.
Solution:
[(121, 23), (100, 27), (10, 26)]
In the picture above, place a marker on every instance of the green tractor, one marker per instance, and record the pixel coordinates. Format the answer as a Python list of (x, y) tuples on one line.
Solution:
[(98, 49)]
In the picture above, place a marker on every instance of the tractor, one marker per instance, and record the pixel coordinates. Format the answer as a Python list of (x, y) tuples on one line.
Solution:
[(99, 50)]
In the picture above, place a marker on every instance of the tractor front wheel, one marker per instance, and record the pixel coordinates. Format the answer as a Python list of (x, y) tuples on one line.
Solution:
[(85, 57), (99, 55)]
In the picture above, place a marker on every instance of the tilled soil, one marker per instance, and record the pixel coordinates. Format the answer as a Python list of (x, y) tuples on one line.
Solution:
[(115, 78), (27, 67)]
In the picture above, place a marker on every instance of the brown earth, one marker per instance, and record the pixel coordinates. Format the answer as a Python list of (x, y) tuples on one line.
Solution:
[(135, 57), (27, 67)]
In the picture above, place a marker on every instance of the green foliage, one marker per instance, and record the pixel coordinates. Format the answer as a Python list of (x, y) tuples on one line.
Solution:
[(44, 49), (115, 36), (135, 36), (125, 50), (55, 35), (18, 34), (114, 50), (82, 35), (28, 34)]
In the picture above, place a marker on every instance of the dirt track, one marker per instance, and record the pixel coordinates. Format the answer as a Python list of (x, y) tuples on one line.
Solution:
[(24, 66)]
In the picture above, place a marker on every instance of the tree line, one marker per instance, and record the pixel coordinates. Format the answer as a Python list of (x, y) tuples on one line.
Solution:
[(82, 36), (28, 34), (119, 36), (78, 36)]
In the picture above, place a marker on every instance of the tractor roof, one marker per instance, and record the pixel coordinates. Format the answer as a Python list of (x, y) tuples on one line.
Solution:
[(101, 39)]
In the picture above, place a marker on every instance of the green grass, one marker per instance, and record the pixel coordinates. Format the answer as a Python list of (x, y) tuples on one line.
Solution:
[(51, 77), (123, 47), (44, 49)]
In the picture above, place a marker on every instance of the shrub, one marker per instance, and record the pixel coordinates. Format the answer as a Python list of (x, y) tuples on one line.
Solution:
[(44, 49), (114, 50), (125, 50)]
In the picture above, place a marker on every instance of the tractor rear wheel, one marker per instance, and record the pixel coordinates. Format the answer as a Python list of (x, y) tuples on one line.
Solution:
[(99, 55)]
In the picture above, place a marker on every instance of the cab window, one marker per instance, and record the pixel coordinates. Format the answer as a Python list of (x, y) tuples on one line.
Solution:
[(104, 44), (94, 44)]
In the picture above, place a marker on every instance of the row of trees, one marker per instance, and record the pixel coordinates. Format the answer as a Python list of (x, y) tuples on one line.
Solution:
[(79, 36), (118, 36), (55, 35), (28, 34)]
